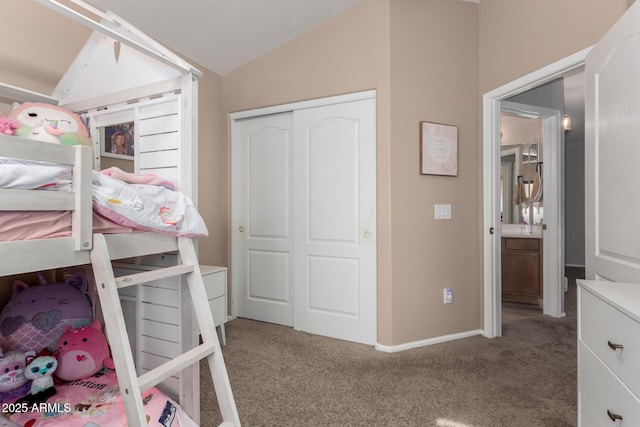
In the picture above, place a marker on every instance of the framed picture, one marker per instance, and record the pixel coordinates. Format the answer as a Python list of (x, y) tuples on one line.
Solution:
[(438, 149), (117, 140)]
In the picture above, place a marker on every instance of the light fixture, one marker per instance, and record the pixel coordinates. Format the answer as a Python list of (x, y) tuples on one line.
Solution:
[(566, 123)]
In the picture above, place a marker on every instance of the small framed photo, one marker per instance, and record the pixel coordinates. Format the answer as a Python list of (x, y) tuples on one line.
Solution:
[(118, 140), (438, 149)]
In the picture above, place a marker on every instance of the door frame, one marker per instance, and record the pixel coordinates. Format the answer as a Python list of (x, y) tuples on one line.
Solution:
[(235, 191), (491, 109), (553, 179)]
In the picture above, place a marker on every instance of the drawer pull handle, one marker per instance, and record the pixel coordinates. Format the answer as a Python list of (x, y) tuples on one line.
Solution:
[(613, 415), (615, 346)]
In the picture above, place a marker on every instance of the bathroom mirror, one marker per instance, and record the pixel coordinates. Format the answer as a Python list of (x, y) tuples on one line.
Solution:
[(520, 162)]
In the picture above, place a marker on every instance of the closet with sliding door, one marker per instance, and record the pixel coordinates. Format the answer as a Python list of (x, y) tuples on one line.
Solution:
[(304, 216)]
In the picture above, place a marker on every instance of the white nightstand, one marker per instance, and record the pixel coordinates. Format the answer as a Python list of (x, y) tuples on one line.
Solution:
[(215, 283)]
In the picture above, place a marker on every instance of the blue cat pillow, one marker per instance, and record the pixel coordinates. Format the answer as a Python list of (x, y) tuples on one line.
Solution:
[(36, 316)]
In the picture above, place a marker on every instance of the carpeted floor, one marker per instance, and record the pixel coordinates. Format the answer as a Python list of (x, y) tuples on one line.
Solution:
[(282, 377)]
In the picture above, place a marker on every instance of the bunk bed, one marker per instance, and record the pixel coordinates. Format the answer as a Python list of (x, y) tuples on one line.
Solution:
[(85, 245)]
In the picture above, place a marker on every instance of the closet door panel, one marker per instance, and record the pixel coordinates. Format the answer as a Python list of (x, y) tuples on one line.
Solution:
[(333, 142), (262, 219), (268, 175), (334, 229)]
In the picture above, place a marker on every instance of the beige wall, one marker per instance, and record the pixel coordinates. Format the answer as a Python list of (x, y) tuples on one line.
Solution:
[(36, 52), (434, 77), (349, 53), (442, 56), (428, 60), (521, 36), (213, 171)]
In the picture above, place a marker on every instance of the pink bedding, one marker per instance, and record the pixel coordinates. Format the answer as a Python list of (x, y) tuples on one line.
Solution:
[(96, 402), (32, 225), (122, 202)]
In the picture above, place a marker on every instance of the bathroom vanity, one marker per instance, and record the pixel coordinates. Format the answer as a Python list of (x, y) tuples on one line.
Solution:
[(522, 264)]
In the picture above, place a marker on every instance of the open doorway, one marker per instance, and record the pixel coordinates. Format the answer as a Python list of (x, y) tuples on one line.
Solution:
[(522, 211), (530, 259), (554, 282)]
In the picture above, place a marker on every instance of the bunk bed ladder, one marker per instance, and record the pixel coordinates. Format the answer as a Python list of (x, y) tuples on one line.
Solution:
[(131, 385)]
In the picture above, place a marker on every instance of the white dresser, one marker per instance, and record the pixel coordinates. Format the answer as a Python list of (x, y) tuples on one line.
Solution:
[(608, 353)]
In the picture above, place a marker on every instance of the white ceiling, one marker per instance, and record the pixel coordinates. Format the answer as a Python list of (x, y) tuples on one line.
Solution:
[(222, 35)]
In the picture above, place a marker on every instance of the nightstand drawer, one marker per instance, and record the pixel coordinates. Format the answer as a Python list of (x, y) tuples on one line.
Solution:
[(603, 326), (215, 282), (218, 308), (604, 392)]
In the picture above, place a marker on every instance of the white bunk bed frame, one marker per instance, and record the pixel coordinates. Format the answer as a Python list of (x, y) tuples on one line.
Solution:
[(84, 247), (99, 250)]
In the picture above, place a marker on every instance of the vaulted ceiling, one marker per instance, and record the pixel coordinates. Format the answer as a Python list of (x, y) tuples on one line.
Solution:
[(222, 35)]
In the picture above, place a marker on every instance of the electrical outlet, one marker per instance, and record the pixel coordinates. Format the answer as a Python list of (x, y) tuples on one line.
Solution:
[(448, 295)]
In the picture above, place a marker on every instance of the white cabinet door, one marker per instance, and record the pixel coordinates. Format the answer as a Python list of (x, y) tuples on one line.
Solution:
[(262, 229), (335, 221), (612, 115)]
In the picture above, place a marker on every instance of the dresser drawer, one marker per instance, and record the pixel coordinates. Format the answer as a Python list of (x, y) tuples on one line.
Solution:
[(586, 414), (602, 391), (601, 323)]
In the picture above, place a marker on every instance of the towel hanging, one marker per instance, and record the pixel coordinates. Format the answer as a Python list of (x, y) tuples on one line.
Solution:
[(536, 191), (519, 195)]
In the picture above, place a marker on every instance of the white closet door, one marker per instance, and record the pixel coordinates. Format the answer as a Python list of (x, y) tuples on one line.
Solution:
[(262, 234), (335, 221), (612, 152)]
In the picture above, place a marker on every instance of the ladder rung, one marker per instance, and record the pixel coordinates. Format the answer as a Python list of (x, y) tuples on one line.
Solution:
[(149, 276), (164, 371)]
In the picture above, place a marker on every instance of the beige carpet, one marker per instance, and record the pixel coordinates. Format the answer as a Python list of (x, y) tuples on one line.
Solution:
[(282, 377)]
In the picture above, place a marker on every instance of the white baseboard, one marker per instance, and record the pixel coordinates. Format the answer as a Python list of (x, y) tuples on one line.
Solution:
[(424, 343)]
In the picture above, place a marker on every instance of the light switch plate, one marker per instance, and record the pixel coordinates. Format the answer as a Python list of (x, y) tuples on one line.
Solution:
[(443, 211)]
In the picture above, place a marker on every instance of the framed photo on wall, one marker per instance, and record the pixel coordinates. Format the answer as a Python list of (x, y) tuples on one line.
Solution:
[(438, 149), (117, 140)]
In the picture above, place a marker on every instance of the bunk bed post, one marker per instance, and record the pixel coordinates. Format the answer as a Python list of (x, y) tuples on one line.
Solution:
[(189, 378), (189, 137), (81, 230)]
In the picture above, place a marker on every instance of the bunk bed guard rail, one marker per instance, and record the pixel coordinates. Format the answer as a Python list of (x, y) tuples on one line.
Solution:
[(78, 201)]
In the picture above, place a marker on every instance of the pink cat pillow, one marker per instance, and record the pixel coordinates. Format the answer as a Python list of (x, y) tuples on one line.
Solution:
[(82, 352)]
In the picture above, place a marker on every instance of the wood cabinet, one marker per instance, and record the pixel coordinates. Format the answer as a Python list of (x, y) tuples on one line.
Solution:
[(608, 353), (522, 270)]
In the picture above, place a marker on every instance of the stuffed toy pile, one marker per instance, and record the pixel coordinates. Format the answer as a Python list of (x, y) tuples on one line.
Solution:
[(46, 330)]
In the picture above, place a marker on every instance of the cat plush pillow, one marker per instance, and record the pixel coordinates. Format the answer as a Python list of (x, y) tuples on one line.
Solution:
[(36, 316), (48, 123), (82, 352)]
